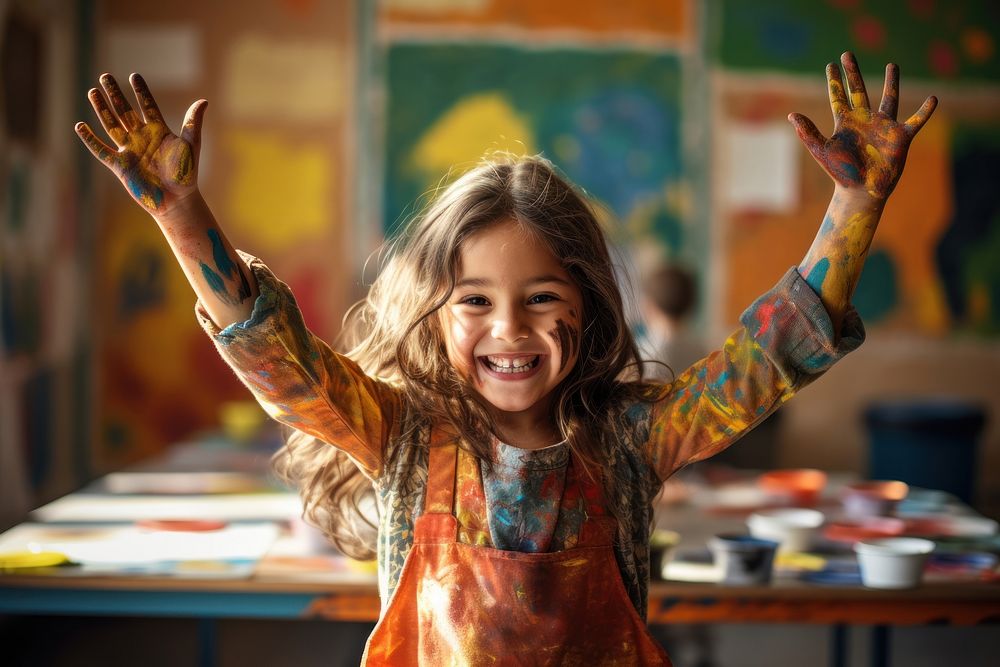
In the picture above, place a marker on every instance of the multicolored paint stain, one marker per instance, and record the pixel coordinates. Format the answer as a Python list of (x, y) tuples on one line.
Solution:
[(154, 165), (867, 148), (148, 193), (865, 157), (528, 506), (564, 607)]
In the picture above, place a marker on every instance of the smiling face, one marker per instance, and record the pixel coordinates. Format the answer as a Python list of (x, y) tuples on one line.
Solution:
[(512, 325)]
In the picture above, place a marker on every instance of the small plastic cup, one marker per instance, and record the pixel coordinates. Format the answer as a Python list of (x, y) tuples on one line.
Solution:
[(744, 560), (793, 528), (868, 499), (893, 562), (798, 486)]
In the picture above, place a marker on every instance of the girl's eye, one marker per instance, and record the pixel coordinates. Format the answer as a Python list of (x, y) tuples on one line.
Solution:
[(542, 298), (474, 301)]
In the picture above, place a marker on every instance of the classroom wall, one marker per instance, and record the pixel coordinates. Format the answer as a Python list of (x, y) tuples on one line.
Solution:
[(328, 121), (276, 170), (45, 263), (930, 291), (673, 117)]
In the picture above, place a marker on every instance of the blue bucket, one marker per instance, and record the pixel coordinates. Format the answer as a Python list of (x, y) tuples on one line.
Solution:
[(928, 443)]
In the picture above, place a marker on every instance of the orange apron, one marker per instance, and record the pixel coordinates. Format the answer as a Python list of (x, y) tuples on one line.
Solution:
[(461, 604)]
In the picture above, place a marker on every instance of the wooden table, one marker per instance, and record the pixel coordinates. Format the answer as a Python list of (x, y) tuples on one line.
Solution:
[(669, 603), (783, 601)]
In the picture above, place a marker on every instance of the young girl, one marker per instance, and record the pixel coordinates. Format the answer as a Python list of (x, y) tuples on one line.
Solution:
[(493, 400)]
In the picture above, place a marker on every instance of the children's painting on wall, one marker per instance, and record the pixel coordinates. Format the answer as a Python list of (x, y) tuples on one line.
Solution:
[(609, 119), (273, 170), (932, 269), (926, 38)]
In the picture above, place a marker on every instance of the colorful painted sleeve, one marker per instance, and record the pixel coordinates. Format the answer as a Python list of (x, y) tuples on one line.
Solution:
[(785, 342), (300, 381)]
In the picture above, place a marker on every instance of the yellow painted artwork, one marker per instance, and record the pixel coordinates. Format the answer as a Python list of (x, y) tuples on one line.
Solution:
[(280, 191), (476, 125)]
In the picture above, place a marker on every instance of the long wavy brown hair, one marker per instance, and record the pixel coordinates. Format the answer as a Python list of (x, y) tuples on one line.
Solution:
[(394, 334)]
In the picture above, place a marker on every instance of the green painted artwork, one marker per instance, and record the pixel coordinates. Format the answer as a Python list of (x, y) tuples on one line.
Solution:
[(926, 38), (609, 119)]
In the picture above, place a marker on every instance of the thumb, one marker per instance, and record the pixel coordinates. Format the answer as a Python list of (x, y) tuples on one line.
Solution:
[(808, 134), (191, 130)]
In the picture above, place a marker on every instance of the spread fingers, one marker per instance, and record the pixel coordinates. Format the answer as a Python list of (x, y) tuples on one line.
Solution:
[(835, 86), (108, 119), (856, 84), (101, 150), (917, 120), (150, 111), (128, 116), (890, 92)]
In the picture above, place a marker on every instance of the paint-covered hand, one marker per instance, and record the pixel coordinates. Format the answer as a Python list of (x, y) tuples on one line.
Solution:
[(868, 148), (157, 167)]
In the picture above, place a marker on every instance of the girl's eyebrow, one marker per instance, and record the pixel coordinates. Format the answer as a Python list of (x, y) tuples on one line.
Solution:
[(486, 282)]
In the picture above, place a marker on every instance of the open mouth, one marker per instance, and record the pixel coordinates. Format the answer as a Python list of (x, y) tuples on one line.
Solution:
[(511, 365)]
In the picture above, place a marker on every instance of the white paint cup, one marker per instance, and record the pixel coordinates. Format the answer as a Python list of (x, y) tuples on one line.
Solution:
[(793, 528), (743, 560), (893, 562)]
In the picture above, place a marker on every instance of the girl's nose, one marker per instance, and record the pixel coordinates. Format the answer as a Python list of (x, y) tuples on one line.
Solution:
[(509, 327)]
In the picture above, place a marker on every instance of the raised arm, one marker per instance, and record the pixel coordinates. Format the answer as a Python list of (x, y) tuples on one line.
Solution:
[(160, 171), (864, 156)]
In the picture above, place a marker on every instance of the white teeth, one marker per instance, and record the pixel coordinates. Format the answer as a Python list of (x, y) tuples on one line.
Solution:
[(507, 365)]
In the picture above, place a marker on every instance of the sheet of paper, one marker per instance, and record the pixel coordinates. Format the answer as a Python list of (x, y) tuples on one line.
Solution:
[(116, 549), (234, 507), (293, 557), (761, 167), (180, 483), (267, 79), (692, 572)]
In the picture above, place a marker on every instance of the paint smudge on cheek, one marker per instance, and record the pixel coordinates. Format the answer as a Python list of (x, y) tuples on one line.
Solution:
[(567, 338)]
